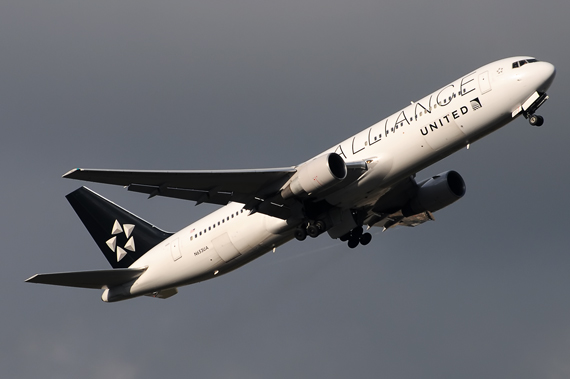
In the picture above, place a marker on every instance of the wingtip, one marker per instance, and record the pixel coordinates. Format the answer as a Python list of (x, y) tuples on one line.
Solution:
[(70, 172), (31, 279)]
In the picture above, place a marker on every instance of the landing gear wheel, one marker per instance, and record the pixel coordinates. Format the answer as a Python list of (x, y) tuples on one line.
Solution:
[(321, 225), (536, 120), (355, 237), (313, 230), (300, 234), (357, 232), (365, 239), (353, 242)]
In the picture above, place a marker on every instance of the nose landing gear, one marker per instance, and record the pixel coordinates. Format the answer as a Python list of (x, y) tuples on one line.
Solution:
[(537, 100), (536, 120)]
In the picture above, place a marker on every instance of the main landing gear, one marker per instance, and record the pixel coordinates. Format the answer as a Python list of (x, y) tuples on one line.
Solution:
[(315, 228), (312, 229), (356, 236)]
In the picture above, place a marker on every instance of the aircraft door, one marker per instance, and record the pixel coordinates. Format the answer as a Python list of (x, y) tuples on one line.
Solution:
[(175, 250), (484, 82)]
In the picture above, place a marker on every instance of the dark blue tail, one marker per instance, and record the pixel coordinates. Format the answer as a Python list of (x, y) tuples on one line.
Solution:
[(122, 237)]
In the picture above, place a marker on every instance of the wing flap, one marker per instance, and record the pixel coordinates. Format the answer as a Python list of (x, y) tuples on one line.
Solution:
[(100, 279), (199, 196)]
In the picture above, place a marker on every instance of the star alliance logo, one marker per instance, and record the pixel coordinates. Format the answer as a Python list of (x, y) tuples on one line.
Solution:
[(112, 242), (476, 104)]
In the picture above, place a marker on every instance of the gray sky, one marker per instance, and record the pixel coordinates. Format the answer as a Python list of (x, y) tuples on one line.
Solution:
[(481, 292)]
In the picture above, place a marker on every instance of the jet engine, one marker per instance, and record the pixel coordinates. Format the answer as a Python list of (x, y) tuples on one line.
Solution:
[(316, 175), (436, 193)]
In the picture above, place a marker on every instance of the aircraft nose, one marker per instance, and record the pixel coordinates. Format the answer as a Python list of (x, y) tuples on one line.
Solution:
[(545, 73)]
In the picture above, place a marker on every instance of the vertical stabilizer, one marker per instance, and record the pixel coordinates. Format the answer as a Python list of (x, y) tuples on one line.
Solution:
[(122, 237)]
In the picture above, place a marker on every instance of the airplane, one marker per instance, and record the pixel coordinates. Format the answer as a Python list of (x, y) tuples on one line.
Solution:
[(368, 180)]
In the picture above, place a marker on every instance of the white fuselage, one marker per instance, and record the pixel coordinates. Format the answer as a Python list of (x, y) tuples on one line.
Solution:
[(395, 148)]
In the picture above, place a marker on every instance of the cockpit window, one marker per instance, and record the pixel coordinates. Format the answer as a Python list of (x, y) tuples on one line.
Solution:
[(523, 62)]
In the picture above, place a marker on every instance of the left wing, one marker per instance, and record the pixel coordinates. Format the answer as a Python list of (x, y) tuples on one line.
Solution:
[(259, 189), (216, 187)]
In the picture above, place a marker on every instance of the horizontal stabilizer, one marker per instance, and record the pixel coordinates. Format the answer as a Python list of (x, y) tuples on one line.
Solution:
[(100, 279)]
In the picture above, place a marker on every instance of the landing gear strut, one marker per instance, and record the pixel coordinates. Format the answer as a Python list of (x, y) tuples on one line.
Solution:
[(529, 113)]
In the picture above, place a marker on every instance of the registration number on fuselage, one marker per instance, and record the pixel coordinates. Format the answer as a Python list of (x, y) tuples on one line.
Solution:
[(201, 250)]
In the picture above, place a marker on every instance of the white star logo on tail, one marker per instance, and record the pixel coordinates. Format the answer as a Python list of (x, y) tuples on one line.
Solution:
[(112, 242)]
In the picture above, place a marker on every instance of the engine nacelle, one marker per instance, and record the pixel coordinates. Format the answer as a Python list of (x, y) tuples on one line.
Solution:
[(436, 193), (316, 175)]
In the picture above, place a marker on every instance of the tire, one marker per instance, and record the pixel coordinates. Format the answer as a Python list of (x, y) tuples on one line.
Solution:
[(536, 120), (313, 231), (321, 225), (353, 242), (357, 232), (300, 234), (365, 239)]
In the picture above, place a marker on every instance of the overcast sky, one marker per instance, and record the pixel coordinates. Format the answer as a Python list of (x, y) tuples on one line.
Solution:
[(483, 292)]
